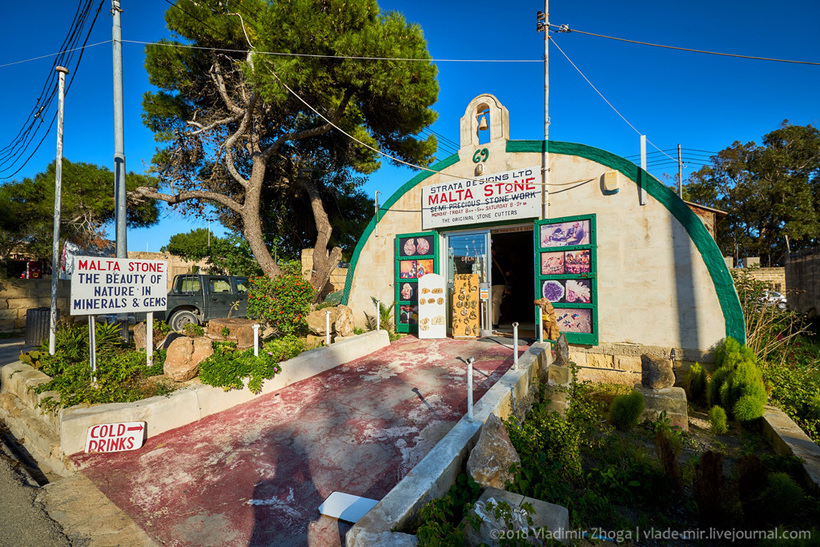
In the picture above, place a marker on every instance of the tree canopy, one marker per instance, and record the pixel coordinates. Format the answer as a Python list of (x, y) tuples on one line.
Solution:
[(250, 119), (227, 255), (87, 205), (771, 191)]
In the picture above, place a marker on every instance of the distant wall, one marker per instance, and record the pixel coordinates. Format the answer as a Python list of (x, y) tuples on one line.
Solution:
[(337, 278), (803, 279), (17, 296), (775, 279)]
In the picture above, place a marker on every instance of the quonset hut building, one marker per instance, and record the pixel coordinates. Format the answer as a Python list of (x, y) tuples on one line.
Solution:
[(626, 263)]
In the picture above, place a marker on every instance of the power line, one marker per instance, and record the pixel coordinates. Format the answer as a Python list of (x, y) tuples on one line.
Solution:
[(565, 28)]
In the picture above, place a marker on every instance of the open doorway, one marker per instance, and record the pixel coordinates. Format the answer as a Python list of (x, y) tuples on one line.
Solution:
[(512, 253)]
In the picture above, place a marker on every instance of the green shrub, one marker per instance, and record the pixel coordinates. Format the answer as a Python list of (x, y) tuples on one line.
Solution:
[(439, 520), (738, 383), (696, 382), (228, 368), (193, 330), (814, 407), (717, 417), (781, 497), (626, 410), (282, 302)]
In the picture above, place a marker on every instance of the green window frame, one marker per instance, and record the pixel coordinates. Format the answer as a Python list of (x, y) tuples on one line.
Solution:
[(566, 274), (406, 275)]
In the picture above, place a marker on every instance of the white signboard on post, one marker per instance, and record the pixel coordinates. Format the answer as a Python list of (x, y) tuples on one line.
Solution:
[(115, 437), (432, 307), (118, 285), (511, 195)]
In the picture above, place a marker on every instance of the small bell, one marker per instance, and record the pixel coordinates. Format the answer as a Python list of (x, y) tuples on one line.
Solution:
[(482, 123)]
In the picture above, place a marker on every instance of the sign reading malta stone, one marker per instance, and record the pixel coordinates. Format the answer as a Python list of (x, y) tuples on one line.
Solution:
[(118, 285), (115, 437), (511, 195)]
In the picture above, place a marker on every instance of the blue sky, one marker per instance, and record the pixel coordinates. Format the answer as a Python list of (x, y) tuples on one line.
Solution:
[(702, 102)]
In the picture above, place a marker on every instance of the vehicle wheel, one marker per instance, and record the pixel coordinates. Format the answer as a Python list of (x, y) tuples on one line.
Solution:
[(182, 318)]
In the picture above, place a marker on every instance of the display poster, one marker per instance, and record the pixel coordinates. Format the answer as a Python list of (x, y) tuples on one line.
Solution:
[(465, 306), (511, 195), (118, 285), (432, 308), (564, 234), (416, 246)]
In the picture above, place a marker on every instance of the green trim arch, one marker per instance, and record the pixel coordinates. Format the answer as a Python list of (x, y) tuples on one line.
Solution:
[(706, 246)]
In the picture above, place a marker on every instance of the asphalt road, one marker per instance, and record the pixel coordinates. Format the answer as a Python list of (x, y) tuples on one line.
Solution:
[(23, 522)]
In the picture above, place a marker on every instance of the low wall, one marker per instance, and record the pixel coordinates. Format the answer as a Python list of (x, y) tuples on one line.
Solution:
[(437, 471), (164, 413)]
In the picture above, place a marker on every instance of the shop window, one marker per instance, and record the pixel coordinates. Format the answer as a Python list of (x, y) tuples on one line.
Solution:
[(416, 256), (565, 273)]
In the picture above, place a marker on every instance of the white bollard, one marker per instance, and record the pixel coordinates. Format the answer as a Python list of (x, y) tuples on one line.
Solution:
[(515, 345), (327, 327), (378, 315), (255, 339), (470, 388), (540, 326)]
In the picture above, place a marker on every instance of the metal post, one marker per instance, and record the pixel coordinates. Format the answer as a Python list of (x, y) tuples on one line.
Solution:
[(378, 315), (149, 338), (515, 345), (255, 339), (680, 174), (92, 346), (540, 323), (470, 388), (376, 229), (543, 24), (641, 194), (119, 147), (58, 192), (327, 327)]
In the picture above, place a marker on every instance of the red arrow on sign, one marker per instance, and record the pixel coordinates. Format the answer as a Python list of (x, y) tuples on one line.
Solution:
[(136, 428)]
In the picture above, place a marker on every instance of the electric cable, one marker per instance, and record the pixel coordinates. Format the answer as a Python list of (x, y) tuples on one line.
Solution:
[(565, 28)]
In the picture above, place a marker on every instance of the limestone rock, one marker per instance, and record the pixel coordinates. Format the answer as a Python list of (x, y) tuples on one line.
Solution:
[(656, 373), (341, 321), (489, 462), (183, 357), (140, 335), (671, 400), (343, 325), (562, 352), (239, 330)]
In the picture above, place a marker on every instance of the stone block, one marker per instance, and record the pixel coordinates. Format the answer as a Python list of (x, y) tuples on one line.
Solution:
[(598, 360), (578, 357), (559, 375), (550, 521), (656, 373), (670, 399), (239, 330), (629, 363)]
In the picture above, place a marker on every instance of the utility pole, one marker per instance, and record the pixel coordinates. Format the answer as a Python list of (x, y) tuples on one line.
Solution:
[(58, 191), (543, 24), (680, 174), (119, 146)]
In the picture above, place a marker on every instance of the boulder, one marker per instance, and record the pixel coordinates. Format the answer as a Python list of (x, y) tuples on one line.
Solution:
[(239, 330), (656, 372), (671, 400), (140, 335), (184, 355), (489, 462), (343, 324), (341, 321)]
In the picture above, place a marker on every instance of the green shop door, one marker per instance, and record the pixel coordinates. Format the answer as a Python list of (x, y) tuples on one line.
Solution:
[(416, 255), (566, 273)]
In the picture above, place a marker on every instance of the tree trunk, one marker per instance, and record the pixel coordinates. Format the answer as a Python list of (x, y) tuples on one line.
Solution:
[(324, 262), (252, 222)]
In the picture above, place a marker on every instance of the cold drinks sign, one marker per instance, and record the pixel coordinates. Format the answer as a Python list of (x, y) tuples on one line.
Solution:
[(511, 195), (118, 285), (115, 437)]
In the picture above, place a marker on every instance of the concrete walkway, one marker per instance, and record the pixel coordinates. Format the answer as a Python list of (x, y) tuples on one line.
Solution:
[(256, 474)]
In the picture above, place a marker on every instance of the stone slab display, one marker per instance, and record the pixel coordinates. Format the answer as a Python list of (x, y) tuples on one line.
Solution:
[(432, 307), (549, 521), (465, 306), (346, 507), (670, 399)]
